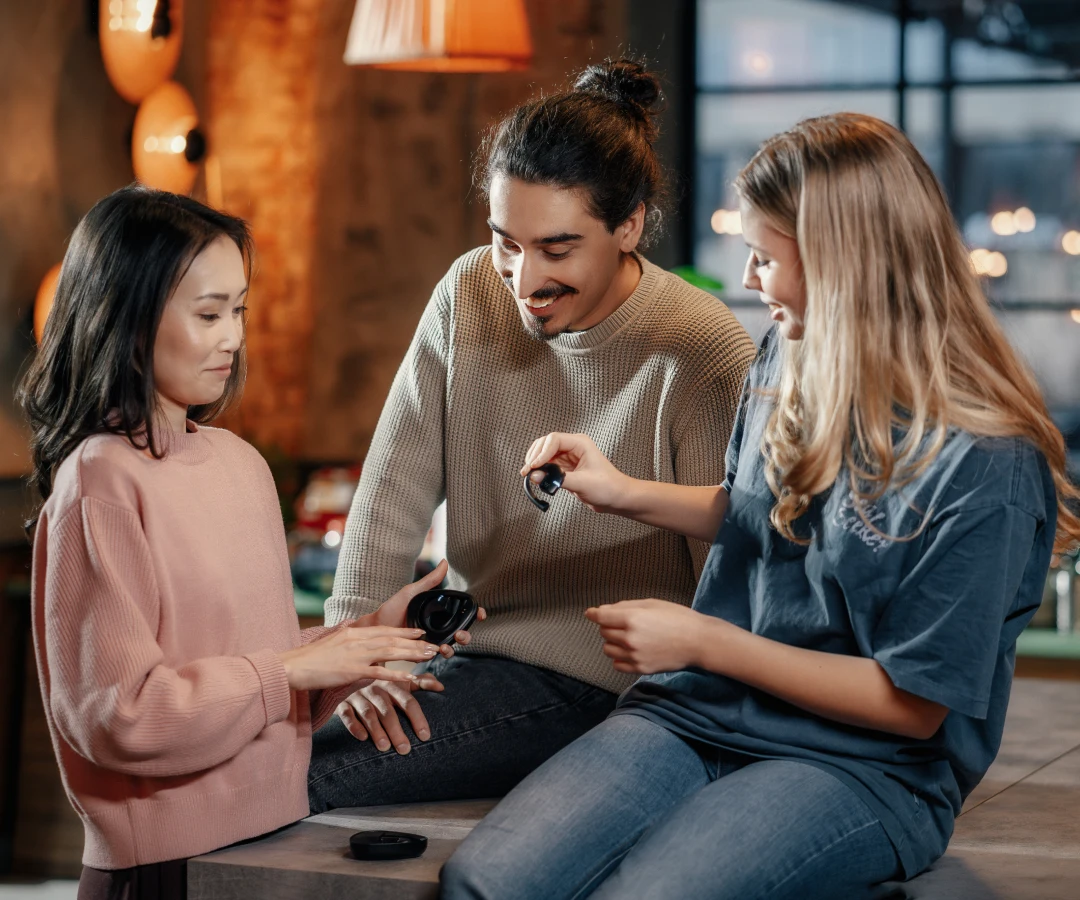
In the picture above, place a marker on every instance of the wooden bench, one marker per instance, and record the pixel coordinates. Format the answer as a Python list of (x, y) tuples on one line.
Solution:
[(1018, 837)]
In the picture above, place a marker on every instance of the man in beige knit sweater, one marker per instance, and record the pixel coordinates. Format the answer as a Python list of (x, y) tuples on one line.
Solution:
[(558, 326)]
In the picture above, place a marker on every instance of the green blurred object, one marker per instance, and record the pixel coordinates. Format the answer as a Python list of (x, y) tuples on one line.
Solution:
[(1048, 643), (308, 603), (699, 279)]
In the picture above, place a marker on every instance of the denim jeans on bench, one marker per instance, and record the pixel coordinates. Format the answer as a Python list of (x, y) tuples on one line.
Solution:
[(632, 810), (496, 721)]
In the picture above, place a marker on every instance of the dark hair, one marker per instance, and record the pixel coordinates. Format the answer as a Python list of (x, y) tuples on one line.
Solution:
[(94, 370), (598, 137)]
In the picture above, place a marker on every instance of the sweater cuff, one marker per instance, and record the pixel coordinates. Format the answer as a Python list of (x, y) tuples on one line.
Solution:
[(345, 608), (277, 698)]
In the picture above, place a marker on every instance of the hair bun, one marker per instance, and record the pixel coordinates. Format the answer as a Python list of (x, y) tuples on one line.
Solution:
[(623, 81)]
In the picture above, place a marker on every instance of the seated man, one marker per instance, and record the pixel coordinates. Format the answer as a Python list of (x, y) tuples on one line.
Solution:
[(559, 325)]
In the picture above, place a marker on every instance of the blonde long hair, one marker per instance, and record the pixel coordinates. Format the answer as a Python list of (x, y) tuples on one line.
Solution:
[(898, 332)]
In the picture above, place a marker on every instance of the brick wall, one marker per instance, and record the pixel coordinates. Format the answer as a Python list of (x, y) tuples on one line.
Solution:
[(263, 130)]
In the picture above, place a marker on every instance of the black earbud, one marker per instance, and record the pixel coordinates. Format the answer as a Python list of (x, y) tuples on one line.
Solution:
[(442, 613), (552, 481)]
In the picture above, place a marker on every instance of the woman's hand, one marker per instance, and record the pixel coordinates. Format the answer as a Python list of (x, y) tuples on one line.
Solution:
[(695, 511), (647, 636), (393, 611), (354, 653), (589, 475)]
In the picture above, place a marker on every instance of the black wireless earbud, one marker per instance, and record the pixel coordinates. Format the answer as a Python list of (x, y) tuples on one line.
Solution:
[(441, 613), (553, 479)]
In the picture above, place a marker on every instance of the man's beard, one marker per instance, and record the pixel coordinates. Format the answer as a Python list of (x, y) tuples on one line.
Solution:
[(534, 325), (534, 328)]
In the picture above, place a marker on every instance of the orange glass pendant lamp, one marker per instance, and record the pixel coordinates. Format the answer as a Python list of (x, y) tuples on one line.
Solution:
[(440, 35), (166, 143), (43, 303), (140, 43)]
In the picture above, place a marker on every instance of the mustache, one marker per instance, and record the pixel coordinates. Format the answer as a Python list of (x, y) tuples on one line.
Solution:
[(549, 292)]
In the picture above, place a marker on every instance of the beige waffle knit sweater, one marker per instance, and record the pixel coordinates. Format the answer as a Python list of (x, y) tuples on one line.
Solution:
[(656, 385)]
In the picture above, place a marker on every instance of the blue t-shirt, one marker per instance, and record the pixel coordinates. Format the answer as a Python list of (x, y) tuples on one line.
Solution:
[(939, 612)]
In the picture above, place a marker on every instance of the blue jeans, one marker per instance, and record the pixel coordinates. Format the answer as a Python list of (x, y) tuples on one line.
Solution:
[(496, 721), (632, 810)]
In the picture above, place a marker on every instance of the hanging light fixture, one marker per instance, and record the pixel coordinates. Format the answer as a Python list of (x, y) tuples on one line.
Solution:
[(166, 142), (440, 35), (140, 43)]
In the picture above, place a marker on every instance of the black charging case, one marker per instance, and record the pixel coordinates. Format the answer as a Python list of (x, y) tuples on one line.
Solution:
[(441, 613), (386, 845)]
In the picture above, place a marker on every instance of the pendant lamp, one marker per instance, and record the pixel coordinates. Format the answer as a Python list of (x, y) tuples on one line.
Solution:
[(440, 35), (165, 143), (140, 43), (43, 303)]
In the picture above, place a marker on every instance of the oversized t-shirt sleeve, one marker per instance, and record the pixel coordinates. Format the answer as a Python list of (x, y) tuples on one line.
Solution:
[(702, 433), (760, 373), (939, 636), (734, 446)]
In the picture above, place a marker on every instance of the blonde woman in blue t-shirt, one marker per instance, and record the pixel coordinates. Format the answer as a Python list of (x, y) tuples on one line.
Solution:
[(894, 489)]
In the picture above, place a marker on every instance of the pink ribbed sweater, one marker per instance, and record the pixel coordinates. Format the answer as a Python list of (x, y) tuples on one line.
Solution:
[(161, 597)]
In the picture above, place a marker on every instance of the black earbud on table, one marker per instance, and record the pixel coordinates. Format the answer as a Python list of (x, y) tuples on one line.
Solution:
[(442, 613), (553, 479)]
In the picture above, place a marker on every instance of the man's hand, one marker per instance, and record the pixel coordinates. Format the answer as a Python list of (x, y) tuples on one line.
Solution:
[(373, 712), (393, 611), (648, 636)]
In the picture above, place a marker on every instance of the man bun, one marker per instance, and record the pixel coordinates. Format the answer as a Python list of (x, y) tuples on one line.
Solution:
[(596, 137), (625, 82)]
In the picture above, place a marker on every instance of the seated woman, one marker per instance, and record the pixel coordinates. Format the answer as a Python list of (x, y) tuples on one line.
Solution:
[(178, 687), (812, 725)]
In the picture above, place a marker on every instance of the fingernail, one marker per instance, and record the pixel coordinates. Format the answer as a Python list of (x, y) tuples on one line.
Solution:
[(430, 652), (403, 749), (384, 745), (423, 735)]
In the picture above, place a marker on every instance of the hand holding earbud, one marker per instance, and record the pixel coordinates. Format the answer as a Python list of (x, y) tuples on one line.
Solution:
[(549, 478), (587, 474)]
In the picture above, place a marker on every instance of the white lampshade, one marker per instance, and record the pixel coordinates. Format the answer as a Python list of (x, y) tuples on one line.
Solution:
[(440, 35)]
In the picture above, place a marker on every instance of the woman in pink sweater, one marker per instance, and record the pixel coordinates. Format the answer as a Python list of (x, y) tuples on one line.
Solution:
[(179, 690)]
